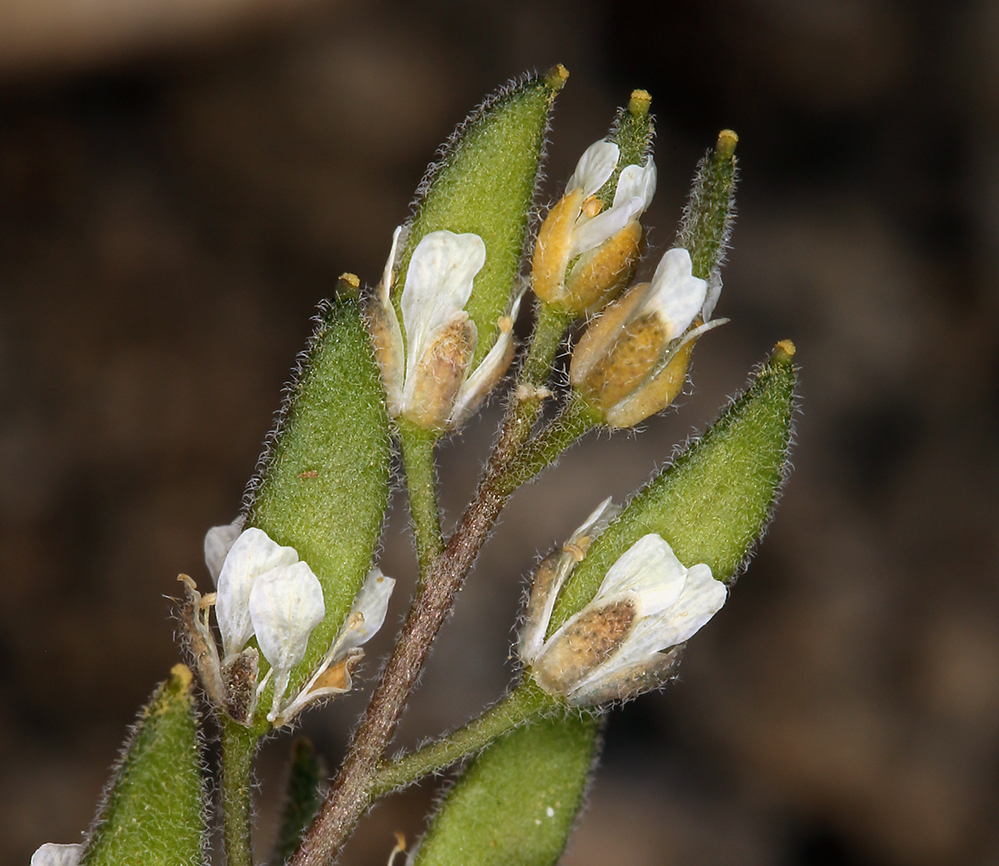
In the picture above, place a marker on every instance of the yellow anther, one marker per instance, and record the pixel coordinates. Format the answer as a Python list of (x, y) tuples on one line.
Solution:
[(592, 206)]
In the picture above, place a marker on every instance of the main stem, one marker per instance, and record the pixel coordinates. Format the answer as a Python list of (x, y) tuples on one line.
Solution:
[(353, 789), (239, 744)]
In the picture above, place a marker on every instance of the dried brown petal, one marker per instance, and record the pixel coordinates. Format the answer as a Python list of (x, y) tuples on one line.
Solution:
[(433, 385), (583, 643), (239, 676)]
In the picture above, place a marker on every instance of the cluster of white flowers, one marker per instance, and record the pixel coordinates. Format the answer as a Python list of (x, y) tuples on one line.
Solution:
[(265, 591), (622, 642)]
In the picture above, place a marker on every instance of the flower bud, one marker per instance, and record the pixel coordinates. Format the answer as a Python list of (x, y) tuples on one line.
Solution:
[(586, 253), (628, 638), (710, 214), (632, 361)]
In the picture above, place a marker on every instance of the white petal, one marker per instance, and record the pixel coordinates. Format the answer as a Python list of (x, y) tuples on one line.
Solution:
[(286, 604), (51, 854), (635, 188), (637, 181), (218, 541), (590, 234), (677, 295), (368, 612), (470, 395), (598, 521), (594, 168), (388, 334), (711, 299), (701, 599), (385, 287), (648, 568), (253, 554), (438, 285)]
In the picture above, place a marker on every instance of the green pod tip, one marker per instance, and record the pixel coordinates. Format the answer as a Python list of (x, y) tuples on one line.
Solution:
[(484, 184), (154, 811)]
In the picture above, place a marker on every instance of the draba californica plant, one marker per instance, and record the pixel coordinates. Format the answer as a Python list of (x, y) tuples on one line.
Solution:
[(400, 365)]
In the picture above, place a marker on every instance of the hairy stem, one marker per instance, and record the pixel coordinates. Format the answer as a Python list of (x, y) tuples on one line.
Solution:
[(239, 745), (421, 483), (530, 391), (575, 419), (353, 789), (522, 704)]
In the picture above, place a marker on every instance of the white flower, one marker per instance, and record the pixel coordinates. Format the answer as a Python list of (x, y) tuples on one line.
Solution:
[(51, 854), (636, 186), (265, 591), (620, 643), (252, 554), (427, 377), (632, 360), (585, 254)]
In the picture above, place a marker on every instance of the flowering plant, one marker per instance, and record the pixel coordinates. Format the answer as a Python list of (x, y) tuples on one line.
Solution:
[(297, 590)]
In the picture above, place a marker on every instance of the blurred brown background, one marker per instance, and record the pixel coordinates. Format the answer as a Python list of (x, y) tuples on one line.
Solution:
[(179, 185)]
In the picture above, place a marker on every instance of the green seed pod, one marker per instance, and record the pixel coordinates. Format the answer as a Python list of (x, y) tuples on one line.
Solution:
[(712, 502), (517, 801), (633, 132), (154, 812), (323, 488), (710, 214), (303, 797), (484, 184)]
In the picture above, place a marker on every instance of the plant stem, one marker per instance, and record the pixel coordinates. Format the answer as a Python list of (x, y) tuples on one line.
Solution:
[(352, 790), (239, 745), (575, 419), (549, 329), (522, 704), (421, 483), (529, 393)]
